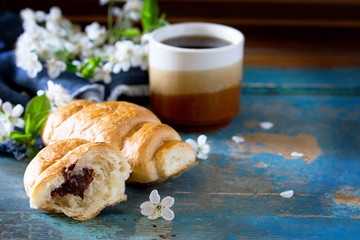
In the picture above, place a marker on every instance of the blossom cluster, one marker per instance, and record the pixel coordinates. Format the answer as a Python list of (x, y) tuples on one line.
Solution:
[(53, 42), (58, 95), (10, 117)]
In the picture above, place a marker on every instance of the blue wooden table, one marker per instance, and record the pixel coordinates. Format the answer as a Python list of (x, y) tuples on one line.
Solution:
[(234, 194)]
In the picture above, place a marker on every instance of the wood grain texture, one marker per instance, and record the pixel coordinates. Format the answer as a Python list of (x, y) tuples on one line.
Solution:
[(228, 196)]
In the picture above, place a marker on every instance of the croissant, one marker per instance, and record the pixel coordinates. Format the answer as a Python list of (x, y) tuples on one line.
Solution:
[(77, 178), (154, 150)]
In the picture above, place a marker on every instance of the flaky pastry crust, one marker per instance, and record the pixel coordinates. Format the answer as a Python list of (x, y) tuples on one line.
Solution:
[(46, 183), (154, 150)]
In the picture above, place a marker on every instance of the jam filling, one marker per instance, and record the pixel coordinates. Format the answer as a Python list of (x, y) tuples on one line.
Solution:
[(74, 184)]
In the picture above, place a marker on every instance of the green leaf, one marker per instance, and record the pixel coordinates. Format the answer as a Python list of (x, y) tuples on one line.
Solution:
[(157, 25), (41, 118), (71, 67), (20, 137), (36, 105), (94, 62), (87, 72), (88, 69), (36, 114), (131, 32), (37, 122), (163, 22), (27, 124), (162, 17), (149, 14)]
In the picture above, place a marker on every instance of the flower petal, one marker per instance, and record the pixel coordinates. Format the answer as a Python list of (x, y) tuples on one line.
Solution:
[(146, 204), (17, 110), (287, 194), (167, 202), (1, 101), (192, 143), (116, 68), (297, 154), (154, 197), (238, 139), (148, 211), (266, 125), (7, 108), (19, 122), (201, 140), (203, 156), (50, 84), (205, 149), (167, 213), (40, 92), (6, 125)]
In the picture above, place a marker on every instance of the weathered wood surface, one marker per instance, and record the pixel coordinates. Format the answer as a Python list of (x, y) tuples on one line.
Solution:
[(234, 194)]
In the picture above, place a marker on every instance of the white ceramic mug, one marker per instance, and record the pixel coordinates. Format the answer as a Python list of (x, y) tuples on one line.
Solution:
[(196, 86)]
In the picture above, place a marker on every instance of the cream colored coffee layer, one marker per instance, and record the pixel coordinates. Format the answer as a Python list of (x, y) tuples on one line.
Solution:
[(194, 82)]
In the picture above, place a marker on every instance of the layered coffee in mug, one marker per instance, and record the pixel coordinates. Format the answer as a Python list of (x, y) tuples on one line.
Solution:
[(195, 74)]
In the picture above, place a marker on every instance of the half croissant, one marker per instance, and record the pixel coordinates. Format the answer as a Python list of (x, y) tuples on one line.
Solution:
[(77, 178)]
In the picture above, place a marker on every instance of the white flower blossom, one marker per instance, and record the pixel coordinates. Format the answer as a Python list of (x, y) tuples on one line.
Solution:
[(6, 120), (34, 39), (83, 46), (103, 74), (6, 128), (25, 43), (57, 95), (139, 56), (29, 61), (121, 66), (28, 15), (117, 12), (55, 29), (13, 114), (201, 148), (126, 55), (40, 16), (154, 208), (133, 9), (96, 33), (55, 67), (55, 15)]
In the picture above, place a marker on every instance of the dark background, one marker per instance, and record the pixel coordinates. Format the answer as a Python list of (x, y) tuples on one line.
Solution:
[(304, 33)]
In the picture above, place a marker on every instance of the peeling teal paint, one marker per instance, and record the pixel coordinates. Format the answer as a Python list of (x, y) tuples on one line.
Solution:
[(226, 196)]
